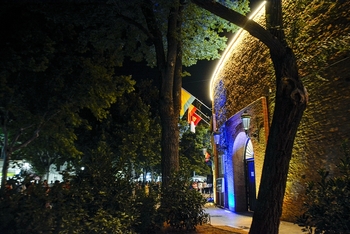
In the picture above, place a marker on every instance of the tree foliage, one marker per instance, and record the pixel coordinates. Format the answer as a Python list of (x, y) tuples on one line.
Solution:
[(181, 207), (58, 74), (170, 34), (327, 204), (200, 30), (192, 156), (98, 199), (52, 66), (131, 129)]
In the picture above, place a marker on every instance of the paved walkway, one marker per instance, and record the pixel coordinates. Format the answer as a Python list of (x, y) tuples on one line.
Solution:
[(222, 217)]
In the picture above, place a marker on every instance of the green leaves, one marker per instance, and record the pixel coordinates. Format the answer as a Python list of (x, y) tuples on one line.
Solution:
[(57, 60), (181, 207), (327, 204), (191, 150), (203, 32)]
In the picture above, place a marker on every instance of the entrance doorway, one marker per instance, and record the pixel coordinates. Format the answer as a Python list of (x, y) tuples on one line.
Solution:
[(250, 175)]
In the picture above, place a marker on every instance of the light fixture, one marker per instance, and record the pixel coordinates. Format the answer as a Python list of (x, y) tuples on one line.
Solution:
[(216, 136), (245, 121)]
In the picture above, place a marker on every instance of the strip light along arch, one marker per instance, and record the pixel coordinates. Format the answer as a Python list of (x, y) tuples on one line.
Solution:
[(229, 48)]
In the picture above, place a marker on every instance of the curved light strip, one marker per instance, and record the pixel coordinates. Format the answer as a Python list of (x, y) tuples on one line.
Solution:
[(229, 48)]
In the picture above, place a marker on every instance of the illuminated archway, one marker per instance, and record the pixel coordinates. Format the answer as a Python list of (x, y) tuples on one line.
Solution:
[(236, 184), (250, 182)]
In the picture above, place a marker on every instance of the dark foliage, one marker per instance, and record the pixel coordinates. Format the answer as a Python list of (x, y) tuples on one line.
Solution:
[(181, 206), (100, 199), (328, 201)]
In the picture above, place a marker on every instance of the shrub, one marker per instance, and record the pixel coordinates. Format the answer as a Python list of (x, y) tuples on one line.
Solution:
[(97, 200), (101, 200), (146, 204), (328, 201), (25, 212), (182, 207)]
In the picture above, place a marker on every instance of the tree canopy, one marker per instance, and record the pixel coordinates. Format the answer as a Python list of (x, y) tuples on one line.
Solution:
[(51, 68), (169, 35)]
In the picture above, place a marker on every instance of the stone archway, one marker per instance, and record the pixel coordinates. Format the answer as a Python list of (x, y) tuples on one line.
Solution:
[(239, 178), (250, 175)]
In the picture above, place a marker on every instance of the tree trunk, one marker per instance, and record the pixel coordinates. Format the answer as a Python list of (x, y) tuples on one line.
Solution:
[(6, 161), (170, 68), (170, 96), (290, 104), (47, 170), (6, 155), (169, 145), (291, 100)]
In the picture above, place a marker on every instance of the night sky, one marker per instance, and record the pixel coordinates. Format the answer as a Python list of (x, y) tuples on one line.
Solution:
[(198, 83)]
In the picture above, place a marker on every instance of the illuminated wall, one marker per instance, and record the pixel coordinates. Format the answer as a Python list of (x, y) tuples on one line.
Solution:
[(245, 75)]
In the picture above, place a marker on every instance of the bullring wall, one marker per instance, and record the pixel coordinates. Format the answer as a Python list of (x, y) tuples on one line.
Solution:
[(319, 34)]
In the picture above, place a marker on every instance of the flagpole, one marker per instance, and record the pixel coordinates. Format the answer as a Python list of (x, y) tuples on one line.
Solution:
[(203, 103), (203, 113), (206, 122)]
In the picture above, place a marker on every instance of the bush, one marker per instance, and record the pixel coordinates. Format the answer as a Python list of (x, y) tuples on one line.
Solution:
[(101, 200), (328, 201), (146, 205), (96, 200), (25, 212), (182, 207), (82, 208)]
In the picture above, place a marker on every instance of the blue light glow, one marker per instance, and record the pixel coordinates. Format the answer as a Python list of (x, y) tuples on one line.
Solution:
[(230, 183)]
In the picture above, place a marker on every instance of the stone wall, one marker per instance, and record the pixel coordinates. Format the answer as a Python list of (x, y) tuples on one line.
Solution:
[(319, 33)]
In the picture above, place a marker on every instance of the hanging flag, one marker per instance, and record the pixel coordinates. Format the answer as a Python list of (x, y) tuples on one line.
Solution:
[(186, 101), (191, 110), (193, 116), (193, 128)]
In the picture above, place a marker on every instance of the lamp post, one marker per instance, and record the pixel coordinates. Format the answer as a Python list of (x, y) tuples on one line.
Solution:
[(245, 121)]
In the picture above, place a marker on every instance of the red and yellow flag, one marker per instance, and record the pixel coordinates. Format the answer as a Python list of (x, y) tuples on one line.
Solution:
[(193, 116)]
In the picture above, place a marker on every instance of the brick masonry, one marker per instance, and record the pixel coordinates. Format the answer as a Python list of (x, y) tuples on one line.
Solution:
[(319, 33)]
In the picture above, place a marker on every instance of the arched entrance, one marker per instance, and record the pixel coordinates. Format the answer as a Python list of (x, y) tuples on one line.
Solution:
[(250, 175)]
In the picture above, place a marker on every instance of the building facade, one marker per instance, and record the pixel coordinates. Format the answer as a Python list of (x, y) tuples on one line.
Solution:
[(244, 81)]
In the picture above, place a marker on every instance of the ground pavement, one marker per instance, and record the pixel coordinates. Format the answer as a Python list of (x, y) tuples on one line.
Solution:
[(223, 221)]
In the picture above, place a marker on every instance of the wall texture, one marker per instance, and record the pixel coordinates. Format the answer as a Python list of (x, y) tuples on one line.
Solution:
[(319, 33)]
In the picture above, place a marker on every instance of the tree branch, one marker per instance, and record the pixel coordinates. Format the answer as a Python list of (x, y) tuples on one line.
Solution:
[(35, 134), (255, 29), (136, 24), (157, 34)]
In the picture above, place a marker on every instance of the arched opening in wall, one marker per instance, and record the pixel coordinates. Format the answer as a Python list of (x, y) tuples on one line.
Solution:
[(250, 175), (235, 175)]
